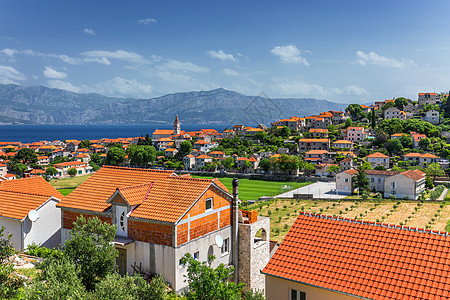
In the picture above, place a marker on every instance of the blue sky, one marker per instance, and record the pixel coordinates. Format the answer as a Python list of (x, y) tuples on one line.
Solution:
[(343, 51)]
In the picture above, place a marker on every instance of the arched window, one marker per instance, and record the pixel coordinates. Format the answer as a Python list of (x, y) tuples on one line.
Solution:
[(260, 237), (210, 253)]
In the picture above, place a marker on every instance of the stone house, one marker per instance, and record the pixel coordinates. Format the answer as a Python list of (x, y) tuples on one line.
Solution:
[(188, 162), (345, 181), (346, 164), (318, 133), (428, 98), (217, 154), (28, 212), (316, 156), (377, 179), (170, 152), (355, 134), (432, 116), (342, 144), (394, 113), (160, 217), (410, 184), (322, 169), (415, 138), (43, 160), (201, 161), (378, 159), (420, 159), (313, 144), (326, 257)]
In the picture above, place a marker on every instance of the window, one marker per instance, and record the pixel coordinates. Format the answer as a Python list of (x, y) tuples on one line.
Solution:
[(226, 245), (297, 295), (209, 203), (122, 221), (394, 185), (196, 255), (346, 180)]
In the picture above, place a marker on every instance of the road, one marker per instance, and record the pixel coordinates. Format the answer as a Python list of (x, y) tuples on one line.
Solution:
[(318, 189)]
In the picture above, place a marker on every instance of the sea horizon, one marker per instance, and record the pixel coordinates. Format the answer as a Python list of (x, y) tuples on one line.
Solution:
[(36, 133)]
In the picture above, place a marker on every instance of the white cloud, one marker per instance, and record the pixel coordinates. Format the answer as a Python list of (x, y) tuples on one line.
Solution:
[(221, 55), (350, 90), (230, 72), (9, 75), (175, 65), (53, 74), (8, 52), (375, 59), (63, 85), (296, 88), (89, 31), (289, 54), (147, 21), (100, 60), (119, 86), (118, 54)]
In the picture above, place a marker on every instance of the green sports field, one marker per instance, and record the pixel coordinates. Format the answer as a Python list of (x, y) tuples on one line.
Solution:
[(253, 189)]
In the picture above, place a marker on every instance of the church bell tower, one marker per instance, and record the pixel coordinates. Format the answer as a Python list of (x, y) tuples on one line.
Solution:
[(176, 126)]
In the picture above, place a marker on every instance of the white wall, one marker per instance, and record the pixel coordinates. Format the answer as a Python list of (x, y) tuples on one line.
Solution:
[(12, 226), (46, 230)]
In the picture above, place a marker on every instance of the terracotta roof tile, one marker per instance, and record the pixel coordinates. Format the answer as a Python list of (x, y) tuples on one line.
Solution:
[(32, 185), (161, 194), (17, 205), (381, 172), (364, 259), (414, 175), (377, 154), (351, 172)]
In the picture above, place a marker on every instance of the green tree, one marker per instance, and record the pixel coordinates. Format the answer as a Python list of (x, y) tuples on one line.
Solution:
[(446, 107), (142, 155), (356, 111), (362, 182), (434, 170), (10, 284), (228, 163), (85, 144), (425, 144), (19, 168), (400, 102), (115, 156), (207, 283), (90, 248), (382, 168), (393, 146), (95, 160), (334, 169), (126, 287), (265, 164), (51, 171), (26, 156), (348, 123), (72, 172), (185, 149), (309, 168), (58, 279)]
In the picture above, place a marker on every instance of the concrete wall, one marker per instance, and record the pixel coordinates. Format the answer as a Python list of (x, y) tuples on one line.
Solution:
[(405, 187), (341, 185), (280, 289), (12, 226)]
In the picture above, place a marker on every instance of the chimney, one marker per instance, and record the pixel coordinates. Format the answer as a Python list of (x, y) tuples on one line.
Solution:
[(234, 229)]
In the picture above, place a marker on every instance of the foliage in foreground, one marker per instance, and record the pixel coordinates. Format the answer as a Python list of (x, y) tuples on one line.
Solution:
[(10, 284)]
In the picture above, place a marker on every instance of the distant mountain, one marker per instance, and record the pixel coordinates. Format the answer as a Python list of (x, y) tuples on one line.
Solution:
[(41, 105)]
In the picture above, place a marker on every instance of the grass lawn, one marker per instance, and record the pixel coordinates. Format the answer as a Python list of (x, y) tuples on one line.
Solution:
[(65, 192), (283, 213), (253, 189), (70, 182)]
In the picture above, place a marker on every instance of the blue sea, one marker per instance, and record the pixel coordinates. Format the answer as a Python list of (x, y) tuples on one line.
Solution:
[(35, 133)]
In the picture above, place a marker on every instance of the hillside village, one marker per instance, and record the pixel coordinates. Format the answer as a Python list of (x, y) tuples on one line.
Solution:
[(145, 187)]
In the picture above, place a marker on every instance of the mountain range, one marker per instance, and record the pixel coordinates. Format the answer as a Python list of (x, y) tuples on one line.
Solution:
[(42, 105)]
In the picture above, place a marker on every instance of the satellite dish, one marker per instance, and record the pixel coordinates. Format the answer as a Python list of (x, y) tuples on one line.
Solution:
[(219, 241), (33, 215)]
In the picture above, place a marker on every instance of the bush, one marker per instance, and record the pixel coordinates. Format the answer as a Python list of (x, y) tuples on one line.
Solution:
[(43, 252), (72, 172)]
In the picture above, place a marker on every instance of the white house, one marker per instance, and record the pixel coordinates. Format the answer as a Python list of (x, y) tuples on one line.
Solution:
[(432, 116), (19, 197)]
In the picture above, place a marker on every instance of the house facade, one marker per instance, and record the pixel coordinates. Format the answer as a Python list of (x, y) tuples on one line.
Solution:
[(378, 159), (160, 217), (409, 184), (432, 116), (428, 98), (313, 144), (18, 197), (356, 134)]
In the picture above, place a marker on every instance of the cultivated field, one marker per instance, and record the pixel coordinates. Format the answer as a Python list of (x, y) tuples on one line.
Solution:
[(69, 183), (424, 215)]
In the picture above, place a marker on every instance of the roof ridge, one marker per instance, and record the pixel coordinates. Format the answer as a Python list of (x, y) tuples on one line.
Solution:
[(137, 169), (133, 186), (380, 224), (33, 194)]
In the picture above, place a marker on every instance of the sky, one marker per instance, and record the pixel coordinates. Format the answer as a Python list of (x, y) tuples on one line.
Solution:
[(342, 51)]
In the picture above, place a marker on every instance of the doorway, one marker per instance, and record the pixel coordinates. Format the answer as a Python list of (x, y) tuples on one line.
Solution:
[(122, 261)]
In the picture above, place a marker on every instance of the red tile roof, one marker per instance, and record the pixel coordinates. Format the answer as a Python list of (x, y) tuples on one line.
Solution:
[(70, 164), (161, 194), (351, 172), (364, 259), (33, 185), (17, 205), (414, 175), (377, 154)]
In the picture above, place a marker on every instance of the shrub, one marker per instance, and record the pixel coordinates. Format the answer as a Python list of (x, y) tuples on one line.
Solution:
[(39, 251)]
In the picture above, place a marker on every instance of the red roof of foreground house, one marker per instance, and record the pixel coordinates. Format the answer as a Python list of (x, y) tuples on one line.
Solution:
[(161, 195), (364, 259), (32, 185)]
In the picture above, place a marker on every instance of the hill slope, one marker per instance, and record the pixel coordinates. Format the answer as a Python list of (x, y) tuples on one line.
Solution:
[(41, 105)]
